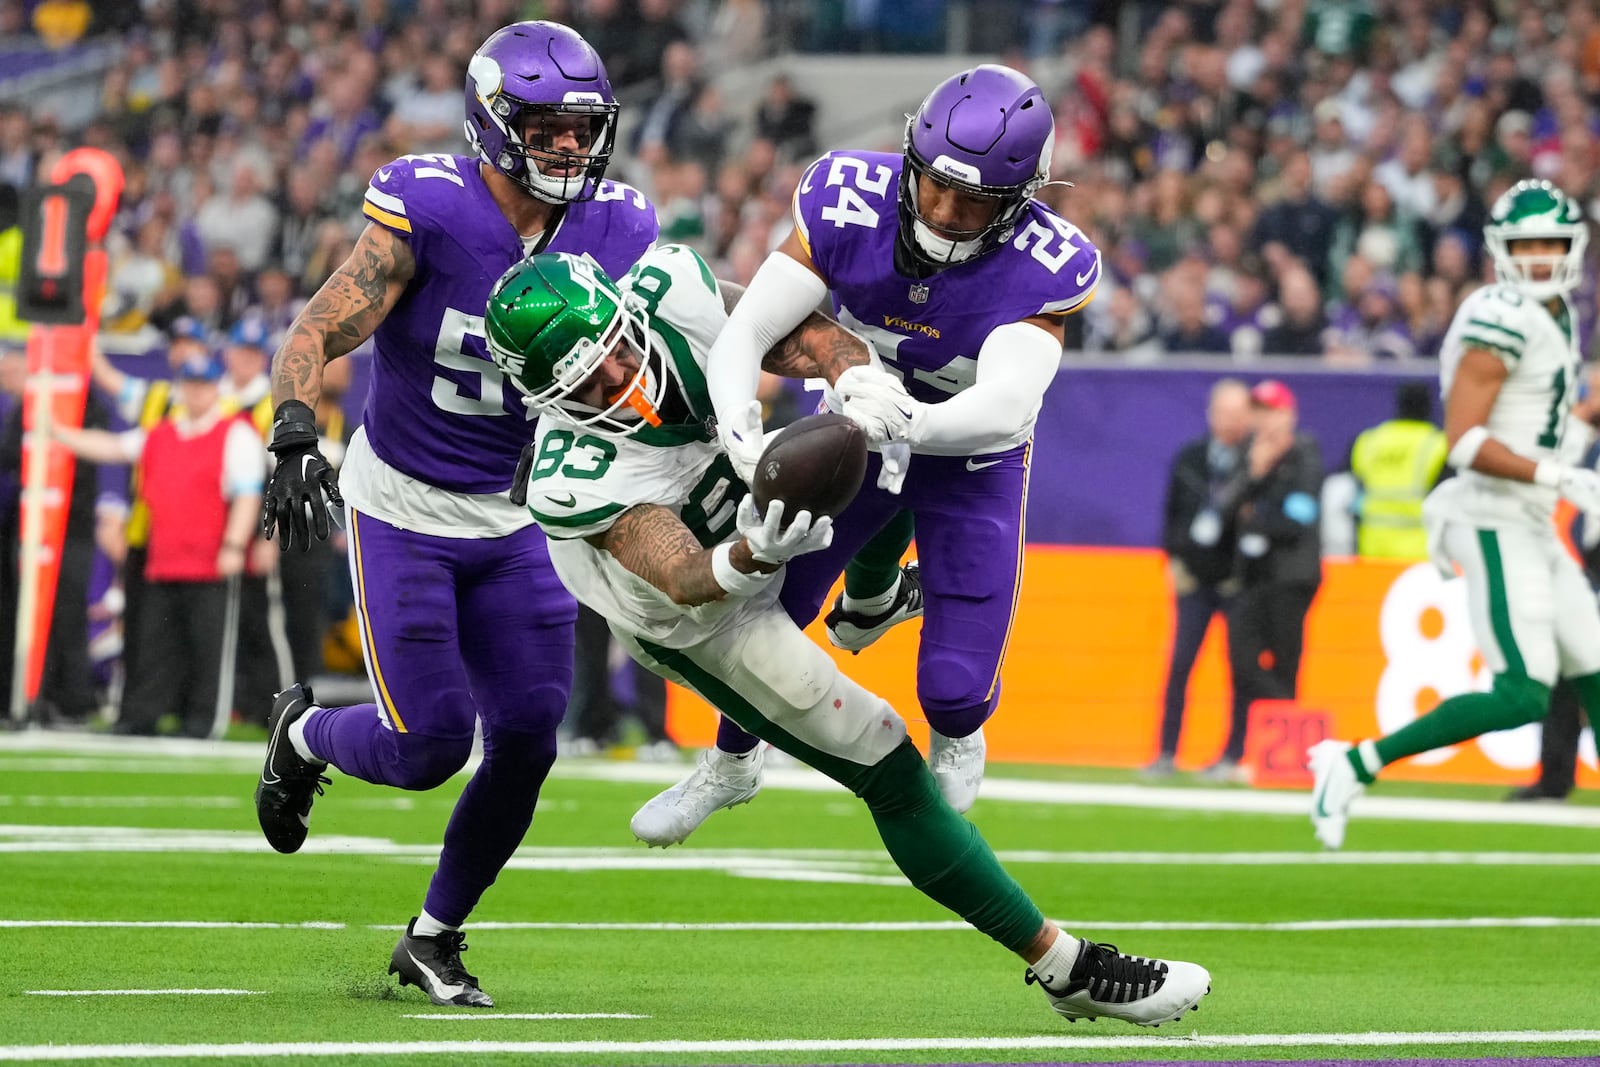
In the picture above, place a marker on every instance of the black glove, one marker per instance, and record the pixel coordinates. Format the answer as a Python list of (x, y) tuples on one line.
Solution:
[(299, 480)]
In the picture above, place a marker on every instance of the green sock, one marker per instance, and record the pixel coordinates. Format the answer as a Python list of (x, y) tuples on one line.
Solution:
[(938, 851), (943, 854), (1512, 702), (876, 568)]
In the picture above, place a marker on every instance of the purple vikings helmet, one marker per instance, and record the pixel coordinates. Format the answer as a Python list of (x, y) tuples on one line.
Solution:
[(525, 77), (986, 132)]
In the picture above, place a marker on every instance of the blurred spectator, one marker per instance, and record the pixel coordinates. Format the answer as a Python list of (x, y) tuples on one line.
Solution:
[(662, 114), (1377, 231), (1397, 463), (787, 120), (1277, 563), (16, 147), (1300, 223), (1301, 322), (202, 476), (1368, 324), (737, 35), (427, 116), (1198, 536), (1187, 329), (242, 220)]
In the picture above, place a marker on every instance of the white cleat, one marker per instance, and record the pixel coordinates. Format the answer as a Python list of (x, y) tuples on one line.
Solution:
[(957, 765), (719, 781), (1108, 984), (1334, 788)]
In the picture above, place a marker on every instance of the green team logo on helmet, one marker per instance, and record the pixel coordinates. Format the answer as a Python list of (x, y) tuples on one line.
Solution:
[(552, 319), (1532, 210)]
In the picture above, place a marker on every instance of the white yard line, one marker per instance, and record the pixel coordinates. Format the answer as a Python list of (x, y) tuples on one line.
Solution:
[(1486, 922), (146, 992), (478, 1016), (1169, 1045), (157, 924), (1513, 922), (178, 755)]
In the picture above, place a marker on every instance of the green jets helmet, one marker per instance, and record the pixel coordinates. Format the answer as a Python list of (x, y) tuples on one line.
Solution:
[(1536, 209), (551, 321)]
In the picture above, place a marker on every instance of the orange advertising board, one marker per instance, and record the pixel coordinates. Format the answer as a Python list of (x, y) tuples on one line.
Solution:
[(1086, 669)]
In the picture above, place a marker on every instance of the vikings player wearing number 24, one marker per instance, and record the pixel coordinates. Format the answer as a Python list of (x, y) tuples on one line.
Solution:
[(462, 618), (942, 258)]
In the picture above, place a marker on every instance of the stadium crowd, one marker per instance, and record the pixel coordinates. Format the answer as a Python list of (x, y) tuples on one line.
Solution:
[(1264, 177)]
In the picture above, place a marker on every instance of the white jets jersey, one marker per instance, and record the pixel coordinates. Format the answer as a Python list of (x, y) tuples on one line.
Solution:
[(1530, 414), (581, 482)]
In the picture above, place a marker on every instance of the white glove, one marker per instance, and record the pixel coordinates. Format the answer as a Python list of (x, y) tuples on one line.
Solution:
[(876, 401), (743, 440), (1581, 486), (896, 458), (769, 545)]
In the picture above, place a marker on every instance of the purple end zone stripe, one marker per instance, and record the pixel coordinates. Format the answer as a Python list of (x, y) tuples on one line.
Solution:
[(1536, 1061)]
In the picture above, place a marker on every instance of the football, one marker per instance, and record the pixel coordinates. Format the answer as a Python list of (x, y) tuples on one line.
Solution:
[(815, 464)]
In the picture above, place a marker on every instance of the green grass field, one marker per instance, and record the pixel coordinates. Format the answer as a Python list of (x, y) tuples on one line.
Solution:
[(780, 934)]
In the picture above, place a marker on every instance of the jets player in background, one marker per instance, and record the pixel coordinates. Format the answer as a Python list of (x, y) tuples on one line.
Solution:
[(461, 617), (1509, 366), (651, 527), (962, 280)]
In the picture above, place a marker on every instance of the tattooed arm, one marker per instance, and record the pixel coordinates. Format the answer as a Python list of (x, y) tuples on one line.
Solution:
[(817, 348), (652, 542), (342, 314)]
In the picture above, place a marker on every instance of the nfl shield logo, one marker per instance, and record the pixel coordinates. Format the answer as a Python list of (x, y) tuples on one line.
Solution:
[(919, 293)]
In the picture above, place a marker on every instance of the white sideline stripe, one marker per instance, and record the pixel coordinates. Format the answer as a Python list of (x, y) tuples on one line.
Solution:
[(37, 801), (1492, 922), (477, 1016), (881, 1044), (1489, 922), (867, 866), (157, 924), (146, 992), (159, 756)]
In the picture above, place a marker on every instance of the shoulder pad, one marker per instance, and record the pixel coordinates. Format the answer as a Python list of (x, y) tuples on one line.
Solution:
[(404, 193)]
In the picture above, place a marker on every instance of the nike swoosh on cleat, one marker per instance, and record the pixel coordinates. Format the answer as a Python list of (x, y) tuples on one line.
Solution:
[(974, 465), (439, 988)]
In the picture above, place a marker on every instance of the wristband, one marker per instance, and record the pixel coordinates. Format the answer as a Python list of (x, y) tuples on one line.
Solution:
[(731, 578), (1547, 472), (1466, 447)]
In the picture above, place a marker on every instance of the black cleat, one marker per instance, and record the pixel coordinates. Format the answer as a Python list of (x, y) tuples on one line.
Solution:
[(1106, 983), (854, 630), (433, 965), (288, 784)]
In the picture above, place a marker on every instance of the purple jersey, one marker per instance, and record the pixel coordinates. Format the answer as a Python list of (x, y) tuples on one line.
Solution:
[(931, 330), (438, 409)]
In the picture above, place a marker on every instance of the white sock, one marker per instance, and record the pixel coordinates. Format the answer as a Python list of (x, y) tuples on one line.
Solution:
[(1368, 751), (427, 926), (737, 757), (297, 738), (1054, 967), (874, 605)]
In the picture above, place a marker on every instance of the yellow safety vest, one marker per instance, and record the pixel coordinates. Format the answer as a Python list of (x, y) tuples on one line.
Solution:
[(1397, 463), (12, 329)]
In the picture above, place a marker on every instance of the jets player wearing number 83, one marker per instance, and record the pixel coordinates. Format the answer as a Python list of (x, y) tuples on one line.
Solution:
[(462, 619), (651, 526), (941, 257), (1509, 368)]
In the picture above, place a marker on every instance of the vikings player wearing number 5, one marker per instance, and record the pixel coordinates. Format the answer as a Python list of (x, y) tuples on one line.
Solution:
[(1509, 368), (943, 259), (461, 616)]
